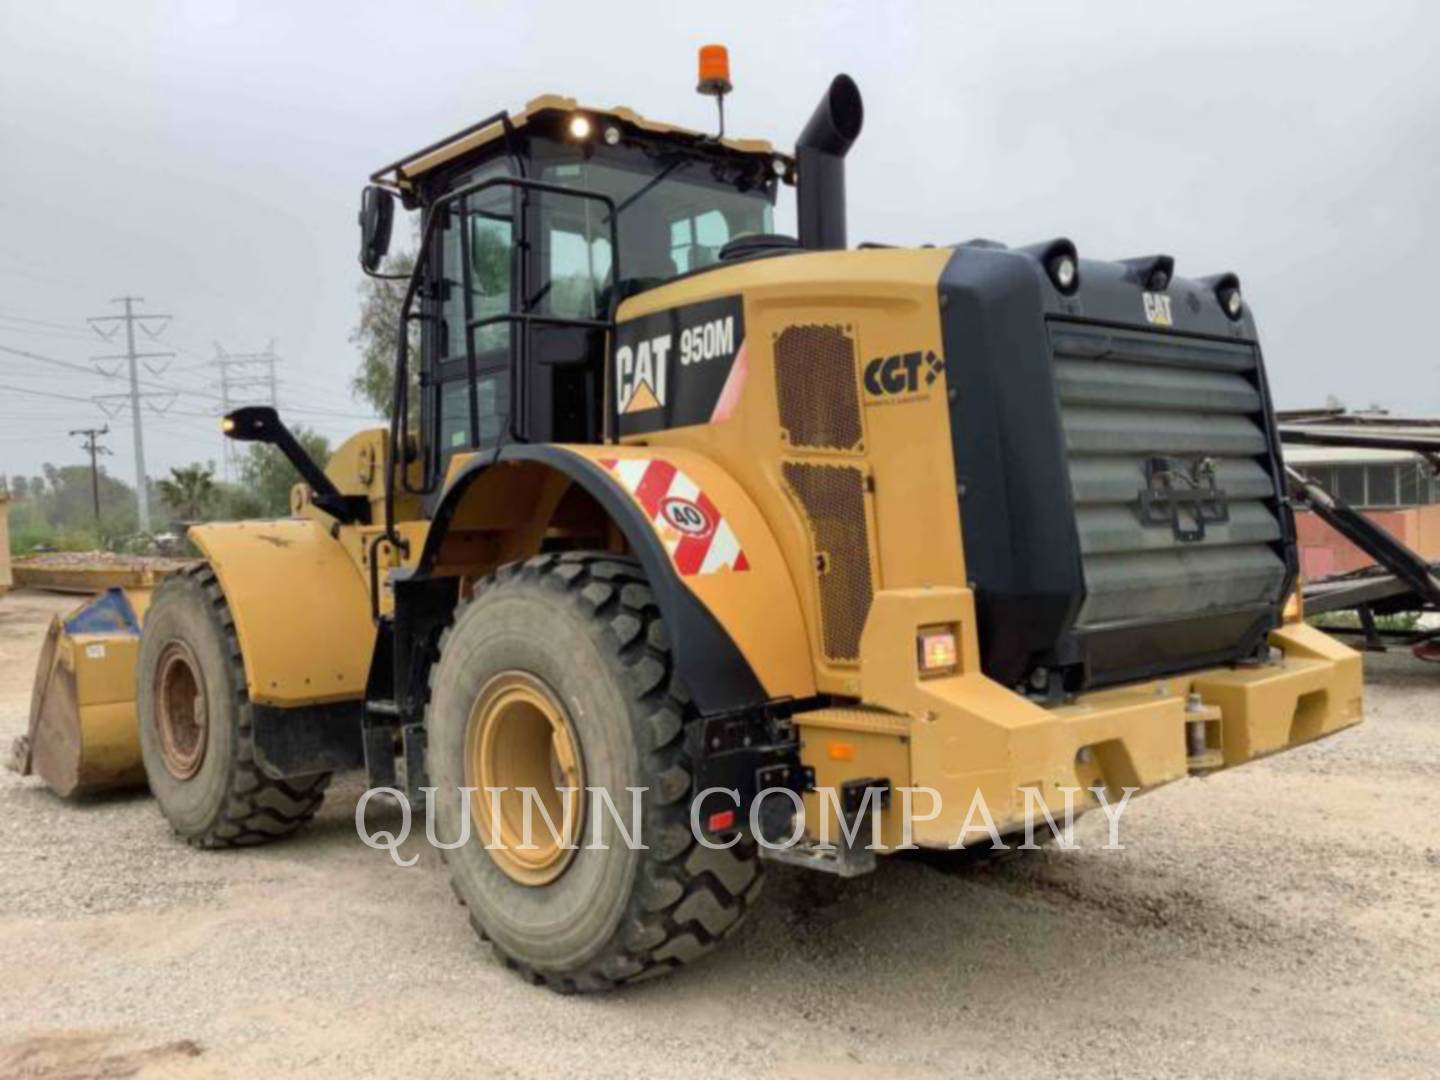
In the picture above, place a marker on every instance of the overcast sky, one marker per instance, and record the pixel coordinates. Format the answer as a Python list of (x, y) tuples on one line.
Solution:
[(208, 156)]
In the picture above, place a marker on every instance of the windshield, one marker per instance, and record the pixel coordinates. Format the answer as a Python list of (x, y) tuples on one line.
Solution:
[(673, 219)]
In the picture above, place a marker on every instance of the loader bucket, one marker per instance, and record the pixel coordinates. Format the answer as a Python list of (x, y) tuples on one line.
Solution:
[(83, 737)]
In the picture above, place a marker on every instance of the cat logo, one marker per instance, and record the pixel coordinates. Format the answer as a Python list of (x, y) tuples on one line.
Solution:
[(1157, 309), (640, 374), (678, 367)]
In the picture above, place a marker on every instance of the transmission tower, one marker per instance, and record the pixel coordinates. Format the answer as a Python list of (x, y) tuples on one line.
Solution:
[(245, 379), (132, 319)]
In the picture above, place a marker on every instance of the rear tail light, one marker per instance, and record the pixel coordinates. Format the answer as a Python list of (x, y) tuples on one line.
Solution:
[(938, 650)]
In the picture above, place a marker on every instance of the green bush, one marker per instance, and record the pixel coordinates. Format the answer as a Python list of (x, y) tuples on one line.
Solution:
[(1402, 622)]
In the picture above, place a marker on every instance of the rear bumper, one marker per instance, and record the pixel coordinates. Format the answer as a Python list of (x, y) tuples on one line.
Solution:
[(965, 736)]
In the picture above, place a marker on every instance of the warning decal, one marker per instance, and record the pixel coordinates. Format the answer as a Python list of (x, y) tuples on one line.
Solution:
[(697, 536)]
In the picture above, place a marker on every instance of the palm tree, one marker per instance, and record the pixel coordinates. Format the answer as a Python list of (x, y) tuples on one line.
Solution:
[(190, 491)]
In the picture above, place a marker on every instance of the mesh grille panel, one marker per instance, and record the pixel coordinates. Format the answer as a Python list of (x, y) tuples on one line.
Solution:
[(833, 497), (815, 385)]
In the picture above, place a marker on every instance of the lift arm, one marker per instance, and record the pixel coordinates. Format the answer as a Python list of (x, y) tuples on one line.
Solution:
[(1370, 538)]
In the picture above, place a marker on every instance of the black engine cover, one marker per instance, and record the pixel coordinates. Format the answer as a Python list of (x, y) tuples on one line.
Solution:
[(1123, 505)]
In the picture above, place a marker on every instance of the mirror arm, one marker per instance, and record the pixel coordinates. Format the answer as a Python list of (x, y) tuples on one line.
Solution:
[(261, 423), (382, 277)]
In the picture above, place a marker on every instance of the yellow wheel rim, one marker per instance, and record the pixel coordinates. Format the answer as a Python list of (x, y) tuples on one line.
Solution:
[(519, 737)]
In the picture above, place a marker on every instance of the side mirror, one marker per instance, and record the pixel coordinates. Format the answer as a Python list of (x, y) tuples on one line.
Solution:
[(377, 216), (253, 423)]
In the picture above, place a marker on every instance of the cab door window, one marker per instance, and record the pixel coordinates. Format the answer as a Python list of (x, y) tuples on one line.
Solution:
[(575, 254), (489, 239), (492, 244)]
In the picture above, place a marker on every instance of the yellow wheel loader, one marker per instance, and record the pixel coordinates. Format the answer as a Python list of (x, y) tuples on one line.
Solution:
[(679, 510)]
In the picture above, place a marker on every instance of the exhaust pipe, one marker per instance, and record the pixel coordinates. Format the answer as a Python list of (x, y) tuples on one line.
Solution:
[(820, 165)]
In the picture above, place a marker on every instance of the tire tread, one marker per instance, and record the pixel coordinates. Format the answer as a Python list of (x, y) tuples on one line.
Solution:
[(687, 898), (257, 808)]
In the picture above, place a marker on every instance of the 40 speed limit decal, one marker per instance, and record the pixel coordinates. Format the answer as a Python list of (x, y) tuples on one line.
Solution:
[(694, 532)]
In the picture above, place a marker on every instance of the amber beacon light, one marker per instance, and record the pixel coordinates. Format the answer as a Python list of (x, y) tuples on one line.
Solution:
[(714, 71), (715, 78)]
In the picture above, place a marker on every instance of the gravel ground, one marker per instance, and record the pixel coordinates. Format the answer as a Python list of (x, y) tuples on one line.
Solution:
[(102, 560), (1277, 920)]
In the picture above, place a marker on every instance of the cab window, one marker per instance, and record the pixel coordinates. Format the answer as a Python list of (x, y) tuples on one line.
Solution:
[(695, 242), (491, 242), (673, 218)]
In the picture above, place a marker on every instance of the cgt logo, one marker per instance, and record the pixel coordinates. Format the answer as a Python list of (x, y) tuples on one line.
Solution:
[(887, 376)]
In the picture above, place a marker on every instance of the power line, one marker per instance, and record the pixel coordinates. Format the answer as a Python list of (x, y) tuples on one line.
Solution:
[(10, 317), (56, 363), (33, 439), (37, 331), (82, 369), (188, 391), (47, 394)]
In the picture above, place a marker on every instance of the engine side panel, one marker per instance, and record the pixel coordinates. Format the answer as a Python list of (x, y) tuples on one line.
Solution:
[(825, 399)]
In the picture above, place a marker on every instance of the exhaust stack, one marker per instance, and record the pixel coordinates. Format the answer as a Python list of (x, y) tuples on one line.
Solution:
[(820, 165)]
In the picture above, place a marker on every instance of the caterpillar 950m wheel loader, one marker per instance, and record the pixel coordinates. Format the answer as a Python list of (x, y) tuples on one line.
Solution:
[(684, 511)]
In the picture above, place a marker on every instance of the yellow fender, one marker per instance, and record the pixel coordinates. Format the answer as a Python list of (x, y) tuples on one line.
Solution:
[(729, 602), (722, 550), (301, 609)]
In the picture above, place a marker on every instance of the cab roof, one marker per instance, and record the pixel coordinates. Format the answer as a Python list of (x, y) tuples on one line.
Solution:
[(399, 174)]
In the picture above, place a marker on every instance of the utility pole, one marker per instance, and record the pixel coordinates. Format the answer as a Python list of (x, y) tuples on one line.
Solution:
[(242, 372), (92, 444), (133, 358)]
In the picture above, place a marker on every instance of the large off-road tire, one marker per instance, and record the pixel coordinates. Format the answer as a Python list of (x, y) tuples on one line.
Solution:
[(566, 655), (195, 724)]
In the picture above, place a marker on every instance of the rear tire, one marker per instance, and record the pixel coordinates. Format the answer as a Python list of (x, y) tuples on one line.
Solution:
[(195, 724), (585, 628)]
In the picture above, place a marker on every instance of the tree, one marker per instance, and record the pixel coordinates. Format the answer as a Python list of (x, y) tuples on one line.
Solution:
[(237, 503), (66, 501), (190, 492), (266, 475), (377, 333)]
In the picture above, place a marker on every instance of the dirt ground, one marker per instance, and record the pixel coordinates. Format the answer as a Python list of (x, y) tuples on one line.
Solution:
[(1278, 920)]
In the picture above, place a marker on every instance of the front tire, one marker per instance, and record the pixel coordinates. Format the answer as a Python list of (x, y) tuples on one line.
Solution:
[(563, 662), (195, 724)]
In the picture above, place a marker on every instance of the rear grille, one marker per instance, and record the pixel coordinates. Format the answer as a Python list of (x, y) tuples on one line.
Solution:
[(815, 386), (1132, 403), (833, 499)]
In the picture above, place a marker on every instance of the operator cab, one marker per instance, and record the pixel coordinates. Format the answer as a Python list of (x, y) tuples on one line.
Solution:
[(534, 228)]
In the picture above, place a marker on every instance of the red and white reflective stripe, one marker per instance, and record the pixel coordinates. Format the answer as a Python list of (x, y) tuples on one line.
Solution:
[(694, 532)]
